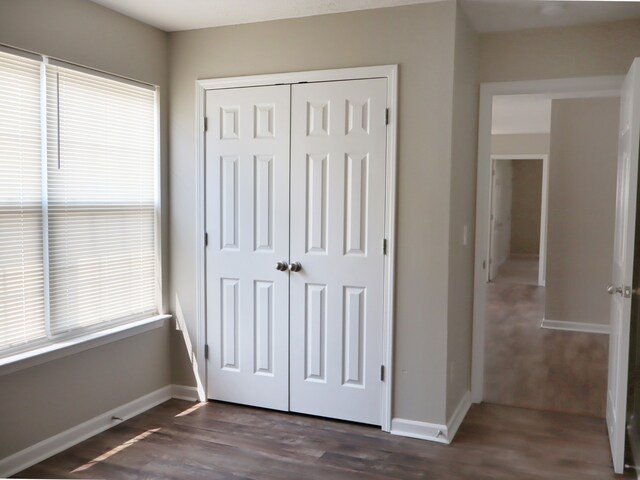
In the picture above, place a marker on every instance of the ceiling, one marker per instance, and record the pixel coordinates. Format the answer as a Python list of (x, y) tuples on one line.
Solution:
[(485, 15), (521, 114), (173, 15)]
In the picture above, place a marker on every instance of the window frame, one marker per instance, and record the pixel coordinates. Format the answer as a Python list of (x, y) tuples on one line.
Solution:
[(55, 346)]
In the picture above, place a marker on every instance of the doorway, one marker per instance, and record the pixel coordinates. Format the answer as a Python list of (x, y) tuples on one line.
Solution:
[(298, 194), (518, 218), (571, 92)]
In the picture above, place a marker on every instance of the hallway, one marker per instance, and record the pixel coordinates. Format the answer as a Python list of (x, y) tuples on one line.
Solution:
[(533, 367)]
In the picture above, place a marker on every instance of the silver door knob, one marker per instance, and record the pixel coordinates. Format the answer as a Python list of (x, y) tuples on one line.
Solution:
[(282, 266), (295, 266), (611, 290)]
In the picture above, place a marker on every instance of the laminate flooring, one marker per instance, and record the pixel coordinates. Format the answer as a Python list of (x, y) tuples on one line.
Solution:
[(183, 440)]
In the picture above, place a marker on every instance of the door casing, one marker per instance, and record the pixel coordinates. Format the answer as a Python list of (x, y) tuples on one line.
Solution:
[(390, 72)]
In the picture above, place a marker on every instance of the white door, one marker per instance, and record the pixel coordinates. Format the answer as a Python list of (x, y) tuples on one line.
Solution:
[(501, 194), (338, 142), (247, 222), (620, 289)]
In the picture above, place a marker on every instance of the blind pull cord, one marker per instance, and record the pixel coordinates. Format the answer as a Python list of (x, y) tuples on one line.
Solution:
[(58, 112)]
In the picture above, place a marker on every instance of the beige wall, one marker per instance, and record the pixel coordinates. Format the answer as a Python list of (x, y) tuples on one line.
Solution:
[(41, 401), (526, 203), (462, 199), (422, 43), (520, 143), (582, 192), (579, 51), (526, 207)]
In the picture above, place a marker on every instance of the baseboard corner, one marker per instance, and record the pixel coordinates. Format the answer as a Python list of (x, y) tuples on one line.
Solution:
[(458, 416), (431, 432), (184, 392)]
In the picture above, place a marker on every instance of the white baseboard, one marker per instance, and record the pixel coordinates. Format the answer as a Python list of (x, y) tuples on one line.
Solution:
[(458, 416), (64, 440), (422, 430), (433, 432), (575, 326), (184, 392)]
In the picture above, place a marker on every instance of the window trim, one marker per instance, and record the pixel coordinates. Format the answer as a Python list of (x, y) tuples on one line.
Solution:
[(53, 347), (55, 350)]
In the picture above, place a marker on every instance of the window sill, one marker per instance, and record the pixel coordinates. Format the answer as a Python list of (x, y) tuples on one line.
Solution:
[(64, 348)]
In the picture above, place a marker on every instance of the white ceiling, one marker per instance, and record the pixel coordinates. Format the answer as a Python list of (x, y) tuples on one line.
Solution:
[(507, 15), (173, 15), (521, 114), (485, 15)]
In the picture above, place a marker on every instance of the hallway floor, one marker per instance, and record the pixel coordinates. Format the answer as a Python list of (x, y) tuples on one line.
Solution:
[(214, 440), (532, 367)]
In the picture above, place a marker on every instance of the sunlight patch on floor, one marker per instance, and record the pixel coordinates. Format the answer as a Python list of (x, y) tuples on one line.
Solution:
[(191, 409), (115, 450)]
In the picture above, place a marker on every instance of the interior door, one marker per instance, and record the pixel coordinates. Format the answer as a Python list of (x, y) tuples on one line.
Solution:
[(247, 223), (622, 273), (338, 143)]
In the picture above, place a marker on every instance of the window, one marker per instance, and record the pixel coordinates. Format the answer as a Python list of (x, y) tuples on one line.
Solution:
[(78, 209)]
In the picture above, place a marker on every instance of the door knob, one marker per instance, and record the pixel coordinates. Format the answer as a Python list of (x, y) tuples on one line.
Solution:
[(282, 266), (611, 290), (295, 266)]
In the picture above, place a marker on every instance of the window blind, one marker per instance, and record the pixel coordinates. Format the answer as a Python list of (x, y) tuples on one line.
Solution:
[(21, 228), (101, 200)]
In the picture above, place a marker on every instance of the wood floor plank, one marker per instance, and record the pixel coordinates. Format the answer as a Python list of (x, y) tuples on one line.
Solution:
[(219, 441)]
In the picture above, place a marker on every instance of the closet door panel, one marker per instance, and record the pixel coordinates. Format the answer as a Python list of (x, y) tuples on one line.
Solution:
[(247, 222), (338, 148)]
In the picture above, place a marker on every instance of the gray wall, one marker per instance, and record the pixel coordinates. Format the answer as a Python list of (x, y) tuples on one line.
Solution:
[(582, 193), (579, 51), (420, 39), (526, 203), (44, 400), (464, 154), (520, 143)]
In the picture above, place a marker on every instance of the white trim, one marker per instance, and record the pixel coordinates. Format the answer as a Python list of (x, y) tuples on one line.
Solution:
[(390, 72), (185, 392), (575, 326), (64, 348), (606, 86), (432, 432), (68, 438), (458, 416), (544, 209)]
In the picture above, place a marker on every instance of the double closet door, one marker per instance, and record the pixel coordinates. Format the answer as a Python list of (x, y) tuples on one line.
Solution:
[(295, 201)]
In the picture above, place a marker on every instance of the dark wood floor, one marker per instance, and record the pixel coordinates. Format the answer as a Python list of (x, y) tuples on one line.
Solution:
[(221, 441)]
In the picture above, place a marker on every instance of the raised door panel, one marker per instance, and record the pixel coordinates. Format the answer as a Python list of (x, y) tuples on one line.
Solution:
[(247, 220), (338, 145)]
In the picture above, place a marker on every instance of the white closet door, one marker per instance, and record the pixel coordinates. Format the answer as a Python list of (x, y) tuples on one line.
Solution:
[(247, 221), (338, 142)]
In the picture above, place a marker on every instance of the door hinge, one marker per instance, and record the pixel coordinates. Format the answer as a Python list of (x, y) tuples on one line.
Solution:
[(386, 115), (384, 246), (206, 239), (206, 124), (206, 352), (382, 373), (484, 264)]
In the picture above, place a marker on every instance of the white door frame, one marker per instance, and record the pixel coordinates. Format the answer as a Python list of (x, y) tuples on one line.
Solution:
[(390, 72), (544, 209), (583, 87)]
